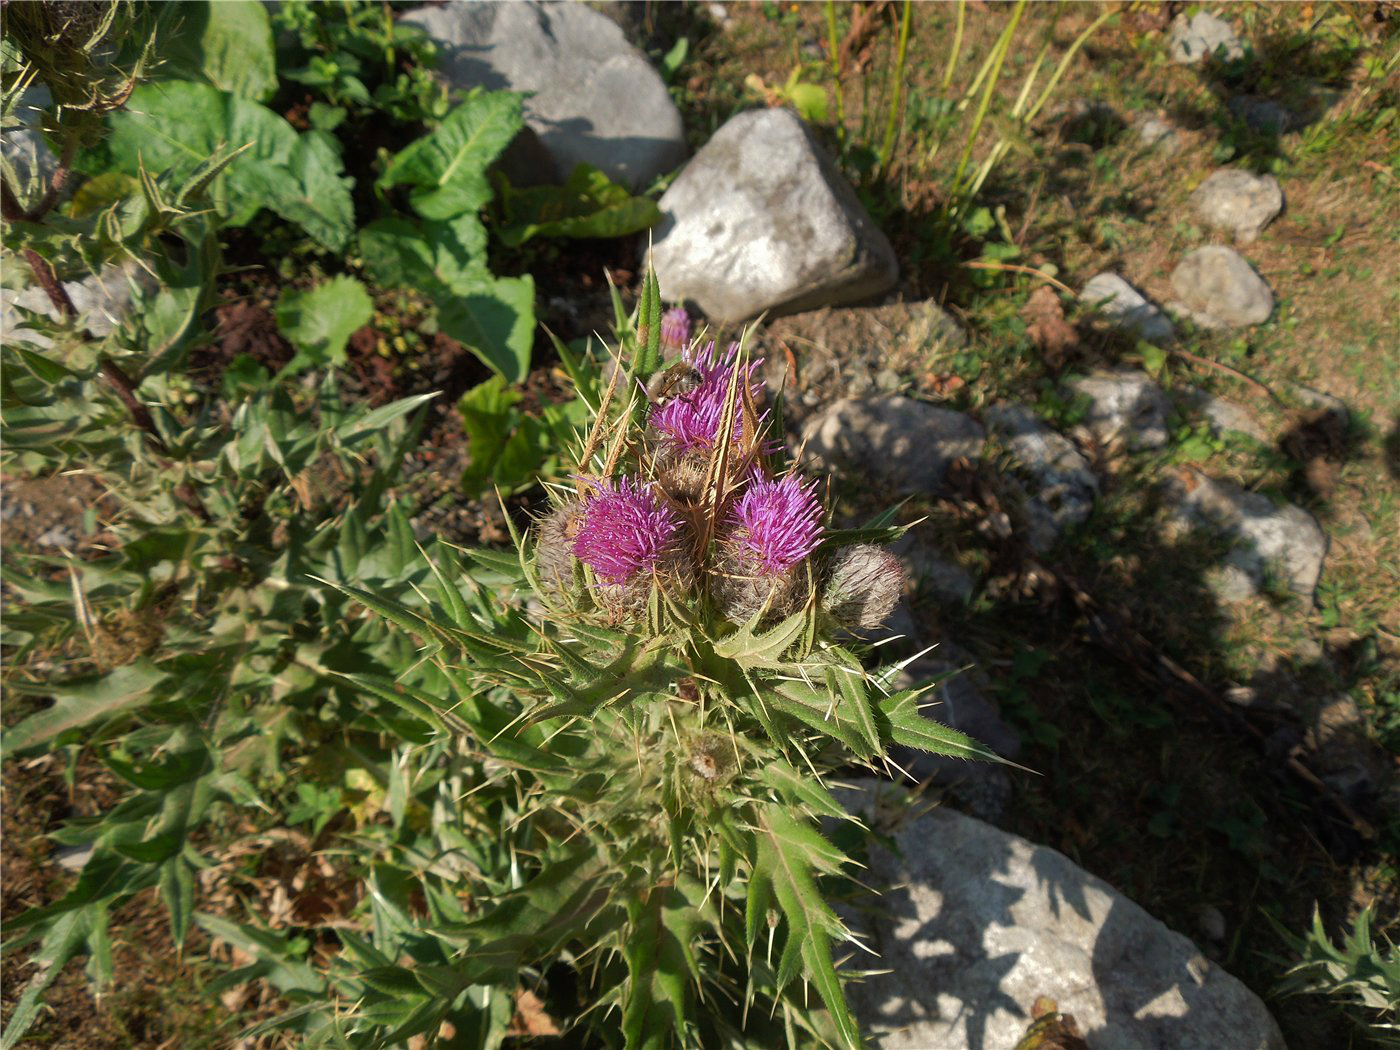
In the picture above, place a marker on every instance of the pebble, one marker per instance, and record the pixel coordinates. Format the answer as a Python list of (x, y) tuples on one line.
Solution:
[(1191, 41), (1119, 304), (1238, 201), (1216, 282)]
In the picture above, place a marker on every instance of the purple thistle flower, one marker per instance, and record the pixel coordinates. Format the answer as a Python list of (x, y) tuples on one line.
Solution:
[(692, 421), (675, 328), (626, 529), (778, 522)]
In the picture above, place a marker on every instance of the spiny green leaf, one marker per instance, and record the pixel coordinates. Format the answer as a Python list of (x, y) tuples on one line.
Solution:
[(81, 702), (907, 726)]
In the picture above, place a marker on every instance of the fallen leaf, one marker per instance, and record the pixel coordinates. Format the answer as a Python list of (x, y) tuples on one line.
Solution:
[(1045, 321)]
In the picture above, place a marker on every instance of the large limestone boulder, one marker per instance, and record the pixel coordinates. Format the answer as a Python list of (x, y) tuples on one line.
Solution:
[(760, 220), (596, 100), (982, 923)]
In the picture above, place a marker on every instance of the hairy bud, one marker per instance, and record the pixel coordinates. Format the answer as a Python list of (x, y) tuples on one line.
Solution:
[(864, 584), (554, 547), (675, 329)]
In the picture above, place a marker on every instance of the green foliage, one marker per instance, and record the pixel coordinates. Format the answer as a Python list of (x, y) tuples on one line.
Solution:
[(361, 60), (588, 205), (447, 168), (320, 321), (1357, 974), (227, 44), (172, 126), (511, 449)]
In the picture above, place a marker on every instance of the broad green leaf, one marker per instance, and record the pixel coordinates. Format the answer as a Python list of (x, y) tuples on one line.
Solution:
[(173, 127), (79, 703), (311, 191), (494, 318), (431, 257), (447, 167), (101, 192), (225, 42), (488, 416), (320, 321), (588, 205)]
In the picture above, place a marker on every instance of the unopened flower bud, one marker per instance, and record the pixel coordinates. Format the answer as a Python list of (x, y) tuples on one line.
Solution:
[(554, 547), (675, 329), (864, 584)]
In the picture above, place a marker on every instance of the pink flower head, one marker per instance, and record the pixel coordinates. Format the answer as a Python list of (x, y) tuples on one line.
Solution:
[(626, 529), (675, 328), (692, 421), (778, 521)]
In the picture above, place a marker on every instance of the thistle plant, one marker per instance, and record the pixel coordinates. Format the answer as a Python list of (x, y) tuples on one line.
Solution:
[(644, 708)]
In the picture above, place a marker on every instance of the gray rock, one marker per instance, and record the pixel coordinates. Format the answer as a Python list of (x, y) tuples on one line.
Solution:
[(102, 301), (1226, 417), (1124, 405), (1263, 115), (1321, 400), (1062, 486), (943, 577), (761, 219), (1156, 133), (1123, 306), (1272, 542), (1191, 41), (1217, 281), (596, 100), (984, 922), (1238, 201), (23, 146), (904, 444)]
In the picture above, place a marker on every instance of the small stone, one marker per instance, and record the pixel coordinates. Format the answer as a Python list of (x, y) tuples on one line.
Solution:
[(896, 441), (719, 14), (1226, 417), (73, 858), (1123, 306), (1127, 405), (55, 537), (1329, 403), (1217, 281), (594, 98), (982, 923), (762, 220), (1156, 133), (1262, 115), (1204, 321), (1238, 201), (1063, 487), (1191, 41), (1272, 542)]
